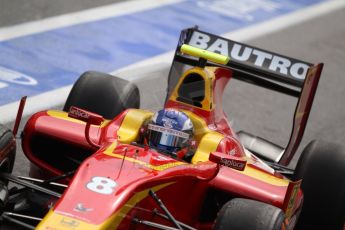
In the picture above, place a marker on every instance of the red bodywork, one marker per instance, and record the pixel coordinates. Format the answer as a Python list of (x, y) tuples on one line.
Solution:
[(110, 187)]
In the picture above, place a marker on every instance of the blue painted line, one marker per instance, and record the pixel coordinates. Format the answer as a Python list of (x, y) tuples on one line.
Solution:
[(57, 58)]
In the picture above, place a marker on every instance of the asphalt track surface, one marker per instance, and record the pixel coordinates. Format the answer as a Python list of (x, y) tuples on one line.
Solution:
[(258, 111), (19, 11)]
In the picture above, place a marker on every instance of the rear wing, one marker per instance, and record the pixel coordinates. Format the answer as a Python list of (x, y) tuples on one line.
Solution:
[(259, 67)]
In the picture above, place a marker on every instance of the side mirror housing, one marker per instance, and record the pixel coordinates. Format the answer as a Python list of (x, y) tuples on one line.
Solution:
[(228, 160), (84, 115), (90, 119)]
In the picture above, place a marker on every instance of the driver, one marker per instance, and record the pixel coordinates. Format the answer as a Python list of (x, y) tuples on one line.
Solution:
[(171, 131)]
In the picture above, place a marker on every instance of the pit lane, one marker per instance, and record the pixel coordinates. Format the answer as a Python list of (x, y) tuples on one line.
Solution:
[(258, 111)]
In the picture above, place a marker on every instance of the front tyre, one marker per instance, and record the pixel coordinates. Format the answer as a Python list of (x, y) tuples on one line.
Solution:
[(7, 149), (243, 214), (103, 94), (322, 170), (7, 157)]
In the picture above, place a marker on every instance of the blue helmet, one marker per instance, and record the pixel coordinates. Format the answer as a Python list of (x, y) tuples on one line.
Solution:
[(170, 130)]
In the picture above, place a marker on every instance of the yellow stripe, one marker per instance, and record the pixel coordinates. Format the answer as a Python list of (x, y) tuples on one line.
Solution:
[(264, 177), (114, 221), (110, 149), (131, 124), (208, 144), (199, 124), (55, 221), (60, 222)]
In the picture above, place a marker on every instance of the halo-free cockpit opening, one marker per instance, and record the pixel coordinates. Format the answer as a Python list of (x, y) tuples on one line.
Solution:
[(192, 90)]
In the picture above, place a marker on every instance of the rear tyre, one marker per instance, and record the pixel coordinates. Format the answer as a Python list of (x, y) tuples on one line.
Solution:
[(322, 170), (103, 94), (243, 214), (7, 149)]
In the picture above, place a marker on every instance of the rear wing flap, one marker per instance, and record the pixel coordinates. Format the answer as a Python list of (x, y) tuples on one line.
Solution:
[(262, 68)]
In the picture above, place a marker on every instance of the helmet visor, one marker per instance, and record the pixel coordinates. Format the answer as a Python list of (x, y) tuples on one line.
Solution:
[(165, 138)]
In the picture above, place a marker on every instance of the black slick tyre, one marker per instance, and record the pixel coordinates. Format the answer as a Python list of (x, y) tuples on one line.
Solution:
[(103, 94), (7, 157), (243, 214), (322, 170), (7, 149)]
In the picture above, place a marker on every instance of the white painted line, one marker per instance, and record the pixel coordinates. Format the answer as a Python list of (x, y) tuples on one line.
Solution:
[(252, 32), (58, 96), (36, 103), (3, 85), (94, 14), (129, 72), (286, 21)]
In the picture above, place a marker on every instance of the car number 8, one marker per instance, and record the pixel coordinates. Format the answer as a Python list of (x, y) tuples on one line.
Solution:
[(101, 185)]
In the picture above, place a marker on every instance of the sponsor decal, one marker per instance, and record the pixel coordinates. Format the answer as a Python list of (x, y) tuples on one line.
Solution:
[(166, 166), (78, 113), (231, 163), (168, 130), (50, 228), (81, 208), (84, 115), (287, 67), (228, 160), (69, 223), (168, 123), (110, 152), (8, 76)]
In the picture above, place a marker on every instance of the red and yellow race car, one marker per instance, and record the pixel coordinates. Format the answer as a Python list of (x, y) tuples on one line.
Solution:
[(103, 163)]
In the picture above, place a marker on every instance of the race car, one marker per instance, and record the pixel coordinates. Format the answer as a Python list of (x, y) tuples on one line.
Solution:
[(104, 163)]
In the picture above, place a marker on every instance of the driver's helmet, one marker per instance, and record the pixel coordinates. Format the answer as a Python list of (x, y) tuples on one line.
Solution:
[(170, 130)]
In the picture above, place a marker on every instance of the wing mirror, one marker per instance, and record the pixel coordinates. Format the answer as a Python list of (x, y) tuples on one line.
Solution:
[(90, 119), (84, 115), (228, 160)]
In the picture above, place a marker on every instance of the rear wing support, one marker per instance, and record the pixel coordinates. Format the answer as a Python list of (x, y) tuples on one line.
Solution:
[(256, 66)]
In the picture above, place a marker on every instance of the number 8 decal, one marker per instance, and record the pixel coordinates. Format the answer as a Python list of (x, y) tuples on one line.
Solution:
[(102, 185)]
